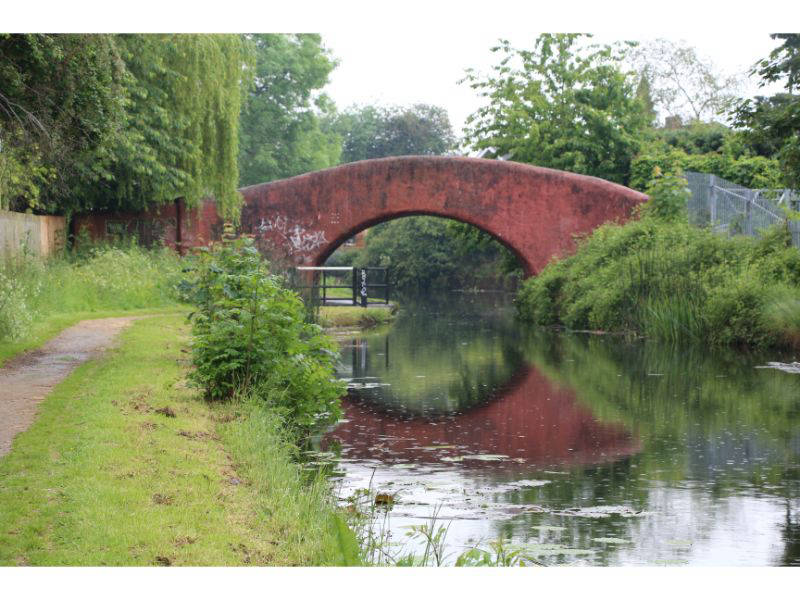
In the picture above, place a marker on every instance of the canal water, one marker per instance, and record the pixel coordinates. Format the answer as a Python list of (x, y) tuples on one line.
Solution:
[(575, 448)]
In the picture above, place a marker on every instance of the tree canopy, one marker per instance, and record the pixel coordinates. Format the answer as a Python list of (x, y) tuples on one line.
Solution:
[(683, 84), (559, 106), (91, 122), (62, 107), (772, 124), (376, 131), (280, 123)]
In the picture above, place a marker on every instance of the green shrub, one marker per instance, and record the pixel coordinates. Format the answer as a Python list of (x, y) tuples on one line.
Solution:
[(735, 313), (249, 336), (672, 281)]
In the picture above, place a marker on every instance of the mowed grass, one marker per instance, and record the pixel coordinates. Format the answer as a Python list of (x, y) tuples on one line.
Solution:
[(103, 478)]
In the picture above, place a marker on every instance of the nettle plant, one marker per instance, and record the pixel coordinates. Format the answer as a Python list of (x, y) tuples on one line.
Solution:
[(250, 338)]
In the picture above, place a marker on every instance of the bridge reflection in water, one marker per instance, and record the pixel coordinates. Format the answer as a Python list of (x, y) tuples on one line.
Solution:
[(509, 411)]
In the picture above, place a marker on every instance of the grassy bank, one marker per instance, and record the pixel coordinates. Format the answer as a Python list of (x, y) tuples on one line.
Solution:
[(106, 476), (38, 298), (674, 282), (355, 316)]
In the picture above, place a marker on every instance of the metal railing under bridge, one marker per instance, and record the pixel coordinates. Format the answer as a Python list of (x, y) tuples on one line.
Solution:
[(346, 286), (730, 208)]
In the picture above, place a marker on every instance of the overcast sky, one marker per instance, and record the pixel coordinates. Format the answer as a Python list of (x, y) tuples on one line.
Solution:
[(408, 51)]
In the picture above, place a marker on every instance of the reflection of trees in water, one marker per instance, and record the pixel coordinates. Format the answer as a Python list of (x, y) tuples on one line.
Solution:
[(705, 417), (713, 420), (435, 365), (696, 412), (790, 532)]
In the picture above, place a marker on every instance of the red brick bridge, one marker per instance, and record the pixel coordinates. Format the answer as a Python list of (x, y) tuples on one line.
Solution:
[(536, 212)]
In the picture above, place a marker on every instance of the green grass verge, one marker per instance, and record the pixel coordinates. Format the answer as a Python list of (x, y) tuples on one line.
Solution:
[(355, 316), (101, 478)]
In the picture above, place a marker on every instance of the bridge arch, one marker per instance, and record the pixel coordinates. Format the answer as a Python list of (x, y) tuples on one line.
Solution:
[(534, 211)]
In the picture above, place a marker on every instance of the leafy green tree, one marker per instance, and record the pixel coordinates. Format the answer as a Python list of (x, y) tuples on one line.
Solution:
[(280, 124), (61, 112), (645, 96), (669, 196), (377, 132), (559, 106), (772, 125)]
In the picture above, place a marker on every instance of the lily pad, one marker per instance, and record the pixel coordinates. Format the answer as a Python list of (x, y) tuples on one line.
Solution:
[(611, 540), (548, 528)]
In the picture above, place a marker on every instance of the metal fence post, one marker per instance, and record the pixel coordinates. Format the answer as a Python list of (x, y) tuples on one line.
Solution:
[(748, 215), (712, 200)]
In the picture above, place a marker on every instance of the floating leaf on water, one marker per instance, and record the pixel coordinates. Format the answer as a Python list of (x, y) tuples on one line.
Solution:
[(485, 457), (679, 542), (535, 509), (437, 447), (669, 562), (548, 528), (555, 550), (601, 512), (452, 459), (530, 482), (611, 540)]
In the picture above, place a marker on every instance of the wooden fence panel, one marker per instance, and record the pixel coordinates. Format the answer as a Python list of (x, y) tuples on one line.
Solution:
[(41, 235)]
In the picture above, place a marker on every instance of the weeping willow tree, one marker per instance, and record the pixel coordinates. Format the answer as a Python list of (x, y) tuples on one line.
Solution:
[(182, 123), (120, 122)]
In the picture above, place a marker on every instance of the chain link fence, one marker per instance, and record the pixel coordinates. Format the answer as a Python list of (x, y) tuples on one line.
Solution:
[(730, 208)]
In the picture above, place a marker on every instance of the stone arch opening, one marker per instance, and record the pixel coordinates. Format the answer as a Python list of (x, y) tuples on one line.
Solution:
[(336, 244)]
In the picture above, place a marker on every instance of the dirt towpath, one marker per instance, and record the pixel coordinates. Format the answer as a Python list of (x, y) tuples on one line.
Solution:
[(25, 380)]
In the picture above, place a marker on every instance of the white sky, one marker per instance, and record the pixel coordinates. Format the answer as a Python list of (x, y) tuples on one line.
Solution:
[(408, 51)]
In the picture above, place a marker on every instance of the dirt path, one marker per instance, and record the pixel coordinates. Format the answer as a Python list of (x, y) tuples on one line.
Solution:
[(25, 380)]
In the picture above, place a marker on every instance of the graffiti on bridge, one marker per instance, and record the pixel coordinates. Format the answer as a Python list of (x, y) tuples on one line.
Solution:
[(298, 237)]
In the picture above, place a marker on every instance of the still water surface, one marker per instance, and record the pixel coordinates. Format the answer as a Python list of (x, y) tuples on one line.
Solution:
[(584, 449)]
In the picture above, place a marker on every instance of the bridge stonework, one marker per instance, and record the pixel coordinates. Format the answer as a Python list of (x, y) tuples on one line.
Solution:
[(534, 211)]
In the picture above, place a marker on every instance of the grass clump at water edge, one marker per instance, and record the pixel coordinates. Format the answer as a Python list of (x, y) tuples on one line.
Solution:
[(674, 282)]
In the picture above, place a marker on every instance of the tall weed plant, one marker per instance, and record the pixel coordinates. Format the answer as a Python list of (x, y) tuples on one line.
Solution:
[(249, 336)]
